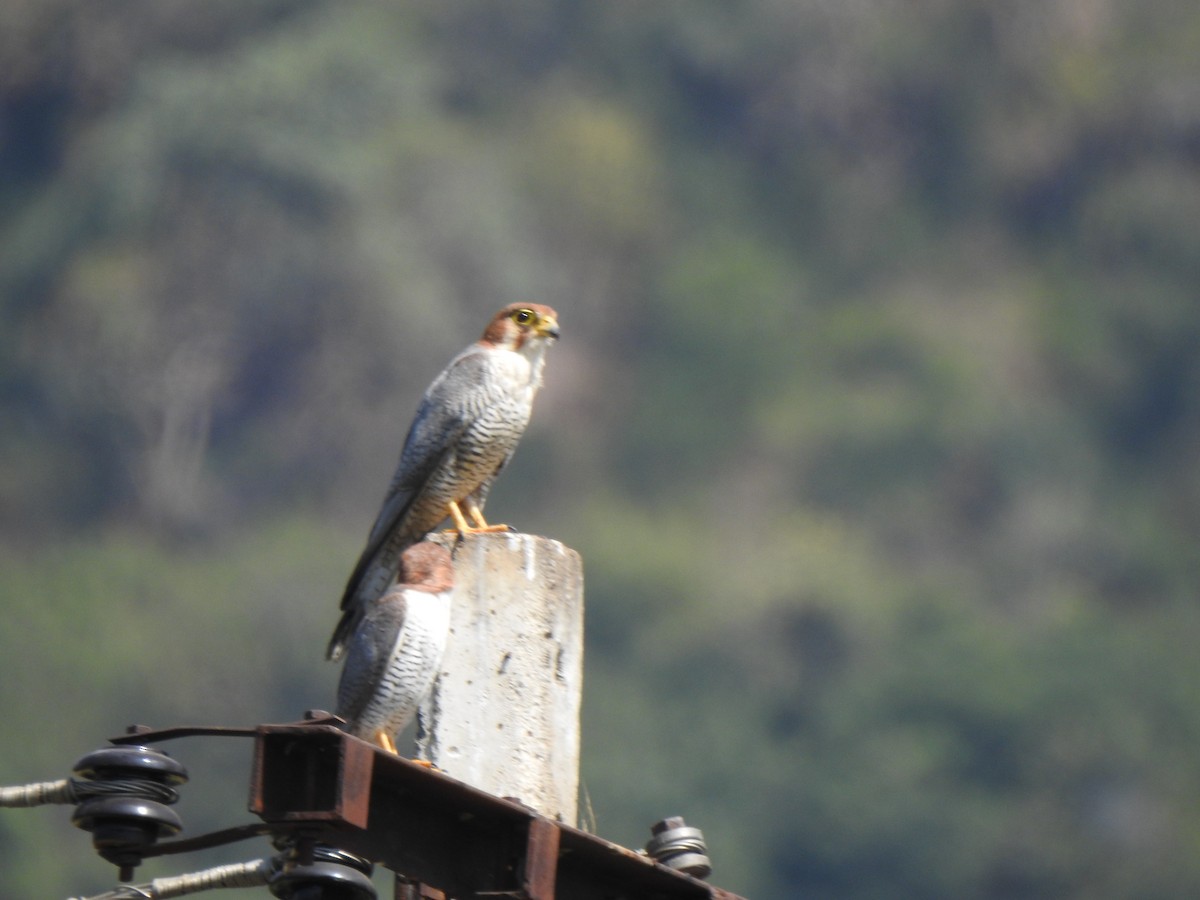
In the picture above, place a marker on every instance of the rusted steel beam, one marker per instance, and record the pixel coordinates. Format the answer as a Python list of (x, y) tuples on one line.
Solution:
[(430, 828), (309, 773), (539, 869), (591, 868), (440, 835)]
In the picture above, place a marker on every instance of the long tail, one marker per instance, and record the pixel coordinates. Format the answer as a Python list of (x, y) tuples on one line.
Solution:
[(346, 625)]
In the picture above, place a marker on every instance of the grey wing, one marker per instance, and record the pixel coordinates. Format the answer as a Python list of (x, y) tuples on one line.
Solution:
[(367, 655), (456, 398), (451, 403), (419, 459), (431, 437)]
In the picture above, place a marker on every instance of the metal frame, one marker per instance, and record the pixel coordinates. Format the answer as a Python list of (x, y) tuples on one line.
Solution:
[(442, 838)]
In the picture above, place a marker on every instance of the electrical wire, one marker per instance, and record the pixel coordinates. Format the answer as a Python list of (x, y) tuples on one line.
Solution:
[(75, 790), (254, 873)]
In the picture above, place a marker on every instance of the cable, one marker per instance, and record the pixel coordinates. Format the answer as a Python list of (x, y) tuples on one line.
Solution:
[(39, 794), (254, 873), (75, 790)]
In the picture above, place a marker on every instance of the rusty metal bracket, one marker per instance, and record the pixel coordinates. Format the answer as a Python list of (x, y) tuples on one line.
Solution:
[(441, 835), (144, 734), (442, 838)]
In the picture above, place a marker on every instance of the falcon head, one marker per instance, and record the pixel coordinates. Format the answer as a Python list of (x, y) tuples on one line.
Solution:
[(522, 325)]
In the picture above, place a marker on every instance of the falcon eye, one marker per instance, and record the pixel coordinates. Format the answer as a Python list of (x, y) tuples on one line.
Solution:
[(523, 316)]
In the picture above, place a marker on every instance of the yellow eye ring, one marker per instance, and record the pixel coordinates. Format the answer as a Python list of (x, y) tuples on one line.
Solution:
[(524, 316)]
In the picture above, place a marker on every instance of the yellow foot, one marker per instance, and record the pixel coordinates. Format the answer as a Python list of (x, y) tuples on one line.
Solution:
[(384, 740), (480, 527), (427, 764)]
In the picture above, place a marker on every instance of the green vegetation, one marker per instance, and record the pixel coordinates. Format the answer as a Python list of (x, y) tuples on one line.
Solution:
[(875, 418)]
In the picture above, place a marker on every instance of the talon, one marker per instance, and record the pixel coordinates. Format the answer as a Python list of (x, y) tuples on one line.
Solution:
[(384, 740), (460, 521), (476, 513), (481, 527)]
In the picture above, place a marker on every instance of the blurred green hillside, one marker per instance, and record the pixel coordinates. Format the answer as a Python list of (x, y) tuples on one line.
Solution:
[(876, 415)]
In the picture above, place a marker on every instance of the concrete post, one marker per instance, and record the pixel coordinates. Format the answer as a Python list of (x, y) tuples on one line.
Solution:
[(503, 715)]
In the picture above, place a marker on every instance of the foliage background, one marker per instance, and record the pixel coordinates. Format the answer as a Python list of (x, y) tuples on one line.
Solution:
[(875, 417)]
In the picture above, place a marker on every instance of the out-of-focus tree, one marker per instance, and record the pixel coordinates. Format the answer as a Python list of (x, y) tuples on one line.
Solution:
[(875, 415)]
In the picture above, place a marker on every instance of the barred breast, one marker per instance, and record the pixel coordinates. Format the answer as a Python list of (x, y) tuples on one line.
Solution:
[(392, 661)]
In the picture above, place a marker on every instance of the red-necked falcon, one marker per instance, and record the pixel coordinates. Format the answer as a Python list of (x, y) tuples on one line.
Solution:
[(465, 431), (396, 649)]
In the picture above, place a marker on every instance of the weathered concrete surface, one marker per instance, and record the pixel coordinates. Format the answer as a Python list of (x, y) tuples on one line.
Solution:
[(503, 715)]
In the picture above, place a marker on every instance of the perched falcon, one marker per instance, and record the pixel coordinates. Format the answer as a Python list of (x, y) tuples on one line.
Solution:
[(396, 649), (465, 431)]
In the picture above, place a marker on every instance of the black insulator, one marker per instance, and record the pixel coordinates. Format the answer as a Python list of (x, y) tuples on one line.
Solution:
[(110, 763), (332, 875), (124, 814), (124, 827), (680, 847)]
